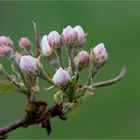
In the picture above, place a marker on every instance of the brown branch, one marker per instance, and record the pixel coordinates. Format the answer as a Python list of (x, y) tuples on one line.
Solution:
[(4, 130), (55, 110), (34, 118)]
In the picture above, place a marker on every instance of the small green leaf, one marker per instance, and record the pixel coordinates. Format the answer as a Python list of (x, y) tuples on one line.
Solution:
[(5, 85)]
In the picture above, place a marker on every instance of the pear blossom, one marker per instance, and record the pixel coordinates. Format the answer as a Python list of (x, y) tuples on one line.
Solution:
[(29, 63), (45, 47), (5, 41), (54, 39), (5, 45), (61, 77), (69, 35), (80, 34), (24, 42), (81, 60), (4, 50), (83, 57), (100, 53)]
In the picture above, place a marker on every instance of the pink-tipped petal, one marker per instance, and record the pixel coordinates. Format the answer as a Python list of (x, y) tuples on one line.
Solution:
[(45, 47), (61, 77), (29, 63)]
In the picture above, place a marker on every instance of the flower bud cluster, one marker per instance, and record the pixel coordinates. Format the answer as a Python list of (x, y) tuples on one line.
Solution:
[(27, 65), (73, 36), (50, 47)]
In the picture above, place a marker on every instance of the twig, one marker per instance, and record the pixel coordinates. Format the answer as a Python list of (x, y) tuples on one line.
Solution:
[(14, 82), (111, 81), (92, 72), (4, 130), (52, 111), (26, 120)]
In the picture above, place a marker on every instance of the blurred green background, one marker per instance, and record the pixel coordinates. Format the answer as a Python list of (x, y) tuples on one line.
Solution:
[(115, 111)]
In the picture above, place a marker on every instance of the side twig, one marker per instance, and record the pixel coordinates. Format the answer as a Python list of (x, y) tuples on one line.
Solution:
[(4, 130), (111, 81)]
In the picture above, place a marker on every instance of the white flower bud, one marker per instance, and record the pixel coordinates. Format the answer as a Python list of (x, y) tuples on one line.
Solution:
[(54, 39), (61, 77), (69, 35), (45, 47), (80, 34), (100, 53), (29, 63)]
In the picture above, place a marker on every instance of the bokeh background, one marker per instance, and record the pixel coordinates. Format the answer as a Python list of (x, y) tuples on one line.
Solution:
[(115, 111)]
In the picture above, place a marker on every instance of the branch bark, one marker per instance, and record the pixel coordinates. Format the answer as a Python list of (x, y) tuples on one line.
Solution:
[(32, 119), (4, 130)]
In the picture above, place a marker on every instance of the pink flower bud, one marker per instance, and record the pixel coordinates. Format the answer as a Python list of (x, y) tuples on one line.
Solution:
[(81, 60), (54, 39), (69, 35), (80, 34), (83, 57), (5, 45), (5, 41), (29, 63), (24, 42), (100, 53), (45, 47), (61, 77), (4, 50)]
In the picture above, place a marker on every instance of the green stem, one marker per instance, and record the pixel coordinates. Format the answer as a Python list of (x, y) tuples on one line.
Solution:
[(70, 58), (59, 55), (45, 77), (92, 72)]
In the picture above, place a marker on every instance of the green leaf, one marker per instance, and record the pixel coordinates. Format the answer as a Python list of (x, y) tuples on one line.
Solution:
[(5, 85)]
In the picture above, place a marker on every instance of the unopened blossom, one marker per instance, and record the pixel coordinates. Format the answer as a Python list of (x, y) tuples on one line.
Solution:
[(25, 43), (69, 35), (81, 36), (45, 47), (54, 39), (100, 53), (5, 41), (5, 45), (29, 63), (4, 50), (61, 77), (82, 59)]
